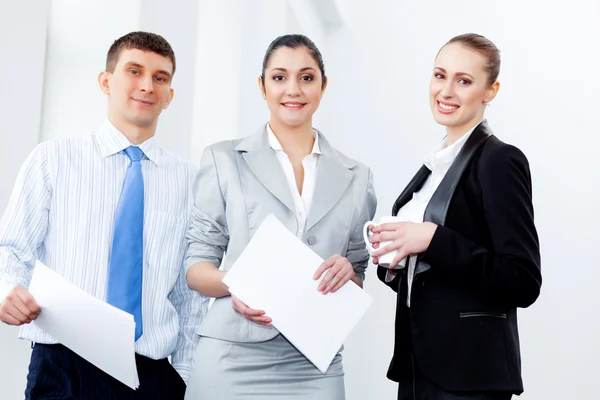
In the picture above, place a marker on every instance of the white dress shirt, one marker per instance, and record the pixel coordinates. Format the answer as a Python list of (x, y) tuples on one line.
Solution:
[(62, 212), (301, 202), (439, 162)]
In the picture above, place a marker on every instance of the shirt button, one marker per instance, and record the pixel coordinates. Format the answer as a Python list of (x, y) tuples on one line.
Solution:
[(312, 240)]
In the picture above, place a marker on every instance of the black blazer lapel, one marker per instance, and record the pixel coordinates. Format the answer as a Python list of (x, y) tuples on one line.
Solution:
[(440, 201), (438, 205), (413, 186)]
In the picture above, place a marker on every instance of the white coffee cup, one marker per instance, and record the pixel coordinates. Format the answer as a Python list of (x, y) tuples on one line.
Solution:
[(387, 258)]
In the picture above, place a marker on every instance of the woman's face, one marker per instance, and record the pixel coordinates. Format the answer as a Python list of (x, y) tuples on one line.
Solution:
[(293, 86), (459, 88)]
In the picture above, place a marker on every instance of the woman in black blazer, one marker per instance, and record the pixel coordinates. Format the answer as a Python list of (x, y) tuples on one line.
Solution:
[(472, 246)]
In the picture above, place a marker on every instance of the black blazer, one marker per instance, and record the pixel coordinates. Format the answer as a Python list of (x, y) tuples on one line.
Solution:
[(482, 263)]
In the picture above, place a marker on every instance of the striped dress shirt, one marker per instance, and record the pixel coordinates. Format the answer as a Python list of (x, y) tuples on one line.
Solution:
[(62, 210)]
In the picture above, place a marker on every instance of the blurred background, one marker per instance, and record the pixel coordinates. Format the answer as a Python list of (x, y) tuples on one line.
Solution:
[(378, 56)]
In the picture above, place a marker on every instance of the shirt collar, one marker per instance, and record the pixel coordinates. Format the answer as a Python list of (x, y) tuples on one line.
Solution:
[(111, 141), (275, 145), (444, 155)]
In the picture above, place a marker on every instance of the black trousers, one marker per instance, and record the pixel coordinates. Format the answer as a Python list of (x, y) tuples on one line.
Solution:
[(57, 373), (416, 386)]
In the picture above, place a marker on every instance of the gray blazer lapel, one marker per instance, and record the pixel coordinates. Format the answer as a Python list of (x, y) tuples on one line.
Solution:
[(333, 178), (440, 201), (263, 163)]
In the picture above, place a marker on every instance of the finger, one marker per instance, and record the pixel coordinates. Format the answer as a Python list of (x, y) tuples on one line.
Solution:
[(397, 259), (334, 281), (261, 320), (250, 312), (375, 260), (9, 319), (243, 309), (17, 314), (343, 281), (237, 304), (331, 273), (31, 308), (19, 310), (388, 226), (375, 245), (344, 270), (29, 301), (369, 232), (395, 245), (384, 236), (323, 267), (326, 279)]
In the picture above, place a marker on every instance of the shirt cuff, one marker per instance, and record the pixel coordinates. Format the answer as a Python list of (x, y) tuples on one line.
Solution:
[(183, 370), (5, 288), (390, 275)]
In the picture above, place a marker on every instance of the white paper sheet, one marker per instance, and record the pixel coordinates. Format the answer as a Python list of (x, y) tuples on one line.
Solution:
[(99, 332), (275, 274)]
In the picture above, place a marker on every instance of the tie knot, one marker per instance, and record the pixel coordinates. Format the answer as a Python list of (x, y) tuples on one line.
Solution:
[(134, 153)]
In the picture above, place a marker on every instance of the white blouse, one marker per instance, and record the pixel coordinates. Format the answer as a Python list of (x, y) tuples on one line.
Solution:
[(439, 162), (301, 203)]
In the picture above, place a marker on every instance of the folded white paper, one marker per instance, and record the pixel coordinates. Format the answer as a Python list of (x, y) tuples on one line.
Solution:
[(275, 272), (98, 332)]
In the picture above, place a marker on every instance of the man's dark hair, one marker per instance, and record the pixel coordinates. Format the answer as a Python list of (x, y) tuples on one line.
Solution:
[(145, 41)]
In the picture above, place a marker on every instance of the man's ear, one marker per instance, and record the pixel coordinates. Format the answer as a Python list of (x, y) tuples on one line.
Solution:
[(171, 94), (104, 82)]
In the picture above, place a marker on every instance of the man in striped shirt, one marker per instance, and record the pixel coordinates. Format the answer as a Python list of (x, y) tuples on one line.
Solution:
[(65, 210)]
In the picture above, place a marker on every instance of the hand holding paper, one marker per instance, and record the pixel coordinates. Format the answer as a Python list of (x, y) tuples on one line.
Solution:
[(256, 316), (18, 307), (339, 272), (279, 280), (97, 331)]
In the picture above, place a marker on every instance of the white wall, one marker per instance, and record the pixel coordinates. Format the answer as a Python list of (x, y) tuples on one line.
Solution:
[(22, 69), (378, 59), (217, 79)]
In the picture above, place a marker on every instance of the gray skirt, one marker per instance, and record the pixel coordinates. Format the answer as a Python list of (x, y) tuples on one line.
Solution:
[(269, 370)]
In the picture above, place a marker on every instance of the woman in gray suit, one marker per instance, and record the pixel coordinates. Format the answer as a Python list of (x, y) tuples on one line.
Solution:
[(290, 170)]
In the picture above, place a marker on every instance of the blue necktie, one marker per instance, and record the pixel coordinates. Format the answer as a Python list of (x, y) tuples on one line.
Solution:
[(124, 288)]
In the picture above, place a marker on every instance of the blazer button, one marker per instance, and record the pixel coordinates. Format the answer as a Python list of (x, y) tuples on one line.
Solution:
[(312, 240)]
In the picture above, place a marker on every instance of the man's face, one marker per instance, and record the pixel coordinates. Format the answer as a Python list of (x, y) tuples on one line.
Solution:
[(139, 88)]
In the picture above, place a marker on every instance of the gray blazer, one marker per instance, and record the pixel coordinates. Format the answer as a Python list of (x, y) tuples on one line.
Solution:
[(240, 182)]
